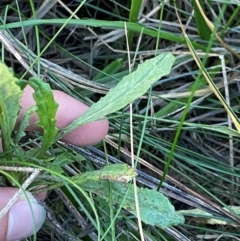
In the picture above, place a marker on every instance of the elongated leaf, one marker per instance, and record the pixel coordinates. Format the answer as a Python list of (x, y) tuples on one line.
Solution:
[(114, 172), (126, 91), (203, 217), (203, 29), (133, 17), (10, 96), (155, 208), (102, 23), (24, 123), (46, 111)]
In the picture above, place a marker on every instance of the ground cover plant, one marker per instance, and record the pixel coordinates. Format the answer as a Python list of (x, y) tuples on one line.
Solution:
[(165, 74)]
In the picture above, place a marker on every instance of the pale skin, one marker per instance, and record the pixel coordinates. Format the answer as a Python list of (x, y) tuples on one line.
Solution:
[(69, 109)]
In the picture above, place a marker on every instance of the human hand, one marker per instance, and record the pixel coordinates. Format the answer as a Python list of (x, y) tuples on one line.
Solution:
[(18, 223)]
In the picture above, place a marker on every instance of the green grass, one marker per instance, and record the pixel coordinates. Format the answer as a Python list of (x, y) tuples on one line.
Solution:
[(184, 133)]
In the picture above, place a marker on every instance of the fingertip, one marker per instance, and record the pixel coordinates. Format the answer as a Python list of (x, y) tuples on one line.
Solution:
[(88, 134), (23, 218), (70, 109)]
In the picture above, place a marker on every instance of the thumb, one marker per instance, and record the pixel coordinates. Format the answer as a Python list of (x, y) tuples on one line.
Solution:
[(23, 218)]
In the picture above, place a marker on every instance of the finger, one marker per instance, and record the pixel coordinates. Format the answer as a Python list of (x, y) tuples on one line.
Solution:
[(69, 109), (19, 222)]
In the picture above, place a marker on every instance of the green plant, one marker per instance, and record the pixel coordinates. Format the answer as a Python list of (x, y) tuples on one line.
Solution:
[(184, 130), (155, 209)]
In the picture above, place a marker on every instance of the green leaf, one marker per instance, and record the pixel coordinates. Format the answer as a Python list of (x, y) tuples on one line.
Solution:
[(10, 96), (24, 123), (22, 83), (203, 217), (203, 29), (126, 91), (133, 17), (168, 35), (155, 208), (46, 111), (115, 172)]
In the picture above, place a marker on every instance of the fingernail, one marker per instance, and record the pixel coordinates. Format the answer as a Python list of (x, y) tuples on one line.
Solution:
[(21, 221)]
